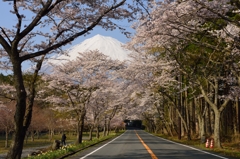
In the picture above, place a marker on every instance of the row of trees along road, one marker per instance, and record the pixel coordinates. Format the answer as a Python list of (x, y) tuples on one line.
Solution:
[(199, 41), (183, 78), (41, 28)]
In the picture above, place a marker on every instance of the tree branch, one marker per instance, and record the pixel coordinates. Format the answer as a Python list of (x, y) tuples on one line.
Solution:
[(6, 35), (45, 10), (19, 17), (4, 43), (73, 37)]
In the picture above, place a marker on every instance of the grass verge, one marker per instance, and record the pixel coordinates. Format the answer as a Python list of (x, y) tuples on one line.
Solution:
[(228, 148), (71, 148)]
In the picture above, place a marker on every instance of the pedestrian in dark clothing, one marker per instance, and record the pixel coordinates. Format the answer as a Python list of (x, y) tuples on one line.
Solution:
[(63, 139)]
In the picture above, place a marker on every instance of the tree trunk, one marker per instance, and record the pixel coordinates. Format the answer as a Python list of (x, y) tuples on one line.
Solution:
[(51, 133), (217, 113), (90, 133), (217, 142), (26, 137), (187, 114), (16, 147), (105, 127), (97, 133), (237, 118), (6, 138), (108, 127), (193, 118), (179, 122), (32, 135), (80, 127), (202, 131), (172, 115), (23, 114), (38, 134), (209, 120), (79, 132), (182, 123)]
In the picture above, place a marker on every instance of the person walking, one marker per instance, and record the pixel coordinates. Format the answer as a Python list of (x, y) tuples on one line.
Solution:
[(63, 139)]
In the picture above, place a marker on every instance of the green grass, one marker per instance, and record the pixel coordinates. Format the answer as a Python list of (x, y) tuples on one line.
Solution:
[(71, 148), (229, 148), (42, 141)]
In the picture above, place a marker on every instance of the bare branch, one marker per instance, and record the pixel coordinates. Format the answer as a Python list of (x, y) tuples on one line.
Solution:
[(66, 41), (19, 17)]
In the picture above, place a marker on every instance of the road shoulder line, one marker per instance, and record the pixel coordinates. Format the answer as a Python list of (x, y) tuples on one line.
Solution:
[(102, 146), (190, 147)]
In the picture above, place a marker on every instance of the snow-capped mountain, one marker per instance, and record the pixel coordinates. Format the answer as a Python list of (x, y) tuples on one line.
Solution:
[(104, 44)]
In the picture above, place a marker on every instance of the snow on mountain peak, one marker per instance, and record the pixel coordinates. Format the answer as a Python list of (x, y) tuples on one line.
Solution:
[(104, 44), (107, 45)]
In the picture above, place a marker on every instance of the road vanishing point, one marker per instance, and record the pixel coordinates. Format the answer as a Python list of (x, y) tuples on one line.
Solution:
[(138, 144)]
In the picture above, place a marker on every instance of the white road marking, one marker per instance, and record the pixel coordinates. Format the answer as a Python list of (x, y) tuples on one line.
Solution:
[(101, 146), (190, 147)]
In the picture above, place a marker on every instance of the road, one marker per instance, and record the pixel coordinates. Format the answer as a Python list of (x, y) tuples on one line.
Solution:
[(138, 144)]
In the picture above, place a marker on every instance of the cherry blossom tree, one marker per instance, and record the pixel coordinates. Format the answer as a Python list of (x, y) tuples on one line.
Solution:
[(148, 74), (200, 37), (95, 110), (6, 119), (75, 82), (112, 108), (106, 103), (42, 28), (39, 122)]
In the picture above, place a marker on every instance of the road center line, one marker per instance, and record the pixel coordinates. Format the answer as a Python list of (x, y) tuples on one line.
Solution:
[(146, 146)]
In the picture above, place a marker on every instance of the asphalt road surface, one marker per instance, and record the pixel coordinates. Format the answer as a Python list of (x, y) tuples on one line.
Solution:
[(137, 144)]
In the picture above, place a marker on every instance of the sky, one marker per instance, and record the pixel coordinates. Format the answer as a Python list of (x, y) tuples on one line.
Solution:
[(8, 20), (107, 45)]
